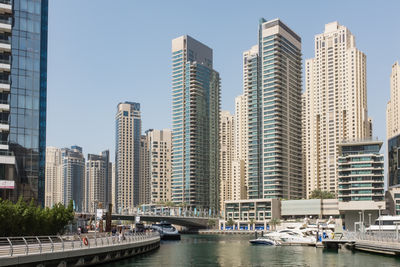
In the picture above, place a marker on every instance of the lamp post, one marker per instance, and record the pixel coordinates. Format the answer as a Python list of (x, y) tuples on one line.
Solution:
[(369, 219), (95, 217), (379, 217)]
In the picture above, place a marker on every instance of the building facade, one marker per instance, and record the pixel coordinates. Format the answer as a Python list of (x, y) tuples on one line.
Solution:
[(226, 156), (360, 171), (23, 86), (127, 155), (394, 161), (361, 181), (239, 163), (160, 158), (53, 177), (73, 176), (144, 178), (97, 189), (393, 106), (272, 86), (195, 120), (334, 105)]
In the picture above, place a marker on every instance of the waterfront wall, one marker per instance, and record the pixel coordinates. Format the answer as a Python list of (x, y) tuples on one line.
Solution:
[(75, 254)]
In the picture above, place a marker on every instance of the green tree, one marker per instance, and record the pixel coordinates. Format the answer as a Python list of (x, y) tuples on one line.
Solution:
[(211, 223), (28, 219), (274, 222), (319, 194), (230, 222)]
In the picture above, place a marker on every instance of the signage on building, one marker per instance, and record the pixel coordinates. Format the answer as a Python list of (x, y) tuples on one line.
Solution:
[(7, 184)]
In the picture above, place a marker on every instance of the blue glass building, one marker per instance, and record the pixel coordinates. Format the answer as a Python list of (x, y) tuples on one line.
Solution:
[(195, 115), (23, 86), (272, 86)]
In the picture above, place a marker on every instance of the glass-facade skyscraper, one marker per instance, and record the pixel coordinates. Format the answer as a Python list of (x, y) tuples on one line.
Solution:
[(195, 115), (272, 86), (23, 86)]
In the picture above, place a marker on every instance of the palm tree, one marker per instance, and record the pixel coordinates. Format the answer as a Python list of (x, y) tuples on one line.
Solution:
[(251, 222), (274, 222), (230, 222)]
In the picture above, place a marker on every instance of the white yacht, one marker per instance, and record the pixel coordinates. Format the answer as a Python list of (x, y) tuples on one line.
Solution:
[(167, 231), (262, 240), (385, 223)]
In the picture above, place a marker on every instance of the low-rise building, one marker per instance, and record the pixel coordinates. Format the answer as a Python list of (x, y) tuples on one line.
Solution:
[(251, 211), (361, 182)]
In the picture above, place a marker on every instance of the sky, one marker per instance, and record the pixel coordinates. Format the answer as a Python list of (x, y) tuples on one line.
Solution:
[(101, 53)]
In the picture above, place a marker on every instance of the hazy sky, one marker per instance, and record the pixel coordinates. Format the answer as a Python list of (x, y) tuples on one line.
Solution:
[(105, 52)]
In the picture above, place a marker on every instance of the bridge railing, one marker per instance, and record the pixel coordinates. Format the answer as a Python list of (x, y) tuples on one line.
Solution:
[(29, 245)]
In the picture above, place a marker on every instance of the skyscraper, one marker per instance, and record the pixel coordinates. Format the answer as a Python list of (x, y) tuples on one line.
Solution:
[(53, 177), (226, 156), (239, 164), (393, 106), (195, 115), (272, 86), (23, 86), (97, 188), (127, 155), (160, 155), (334, 105), (144, 177), (73, 175)]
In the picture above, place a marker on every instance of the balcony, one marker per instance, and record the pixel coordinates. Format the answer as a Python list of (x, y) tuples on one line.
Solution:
[(5, 7), (5, 45), (5, 25), (4, 86), (4, 126), (4, 106), (7, 157), (3, 145), (5, 65)]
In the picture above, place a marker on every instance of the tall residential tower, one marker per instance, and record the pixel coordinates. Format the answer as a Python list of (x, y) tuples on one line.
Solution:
[(334, 105), (272, 86), (393, 106), (127, 155), (195, 115)]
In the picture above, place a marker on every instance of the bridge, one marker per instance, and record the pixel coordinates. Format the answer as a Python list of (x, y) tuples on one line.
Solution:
[(183, 220), (74, 250)]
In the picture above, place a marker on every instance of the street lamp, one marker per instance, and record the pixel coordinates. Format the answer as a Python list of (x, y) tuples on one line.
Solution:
[(379, 217), (95, 216)]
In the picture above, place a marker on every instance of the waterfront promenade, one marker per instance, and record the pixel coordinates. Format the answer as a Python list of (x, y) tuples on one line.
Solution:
[(74, 250)]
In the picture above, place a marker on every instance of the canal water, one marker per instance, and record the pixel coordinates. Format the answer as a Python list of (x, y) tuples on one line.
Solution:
[(235, 250)]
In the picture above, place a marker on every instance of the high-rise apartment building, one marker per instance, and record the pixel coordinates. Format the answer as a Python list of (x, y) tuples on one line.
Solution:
[(195, 115), (73, 175), (272, 87), (239, 164), (23, 86), (144, 177), (97, 187), (127, 155), (393, 106), (160, 158), (53, 177), (226, 156), (334, 105)]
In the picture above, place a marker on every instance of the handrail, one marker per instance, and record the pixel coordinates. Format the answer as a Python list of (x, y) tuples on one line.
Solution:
[(14, 246)]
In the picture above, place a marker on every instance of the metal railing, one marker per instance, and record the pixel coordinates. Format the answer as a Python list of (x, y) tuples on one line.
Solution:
[(29, 245), (389, 236)]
